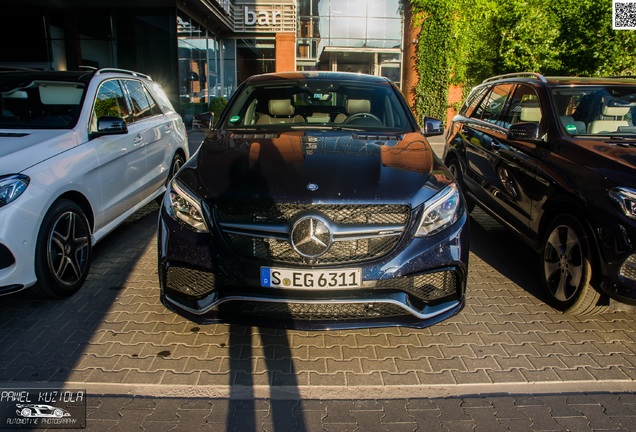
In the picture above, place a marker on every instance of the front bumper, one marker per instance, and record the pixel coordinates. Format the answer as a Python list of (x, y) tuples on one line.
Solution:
[(18, 234), (616, 237), (420, 283)]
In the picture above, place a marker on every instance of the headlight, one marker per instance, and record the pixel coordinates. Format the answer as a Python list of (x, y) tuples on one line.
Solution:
[(184, 206), (12, 187), (625, 198), (440, 212)]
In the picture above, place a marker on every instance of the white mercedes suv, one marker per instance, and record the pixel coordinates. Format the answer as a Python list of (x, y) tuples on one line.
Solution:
[(79, 153)]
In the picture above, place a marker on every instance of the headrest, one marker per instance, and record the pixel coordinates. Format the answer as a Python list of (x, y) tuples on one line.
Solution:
[(616, 111), (355, 106), (530, 114), (281, 107)]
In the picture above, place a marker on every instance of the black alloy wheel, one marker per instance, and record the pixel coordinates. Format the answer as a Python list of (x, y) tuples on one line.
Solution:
[(63, 251), (567, 268)]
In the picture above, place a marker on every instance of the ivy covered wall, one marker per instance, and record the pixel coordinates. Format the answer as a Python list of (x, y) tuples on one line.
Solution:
[(463, 42)]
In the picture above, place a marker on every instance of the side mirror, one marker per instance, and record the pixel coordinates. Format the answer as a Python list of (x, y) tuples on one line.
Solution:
[(433, 127), (524, 132), (108, 125)]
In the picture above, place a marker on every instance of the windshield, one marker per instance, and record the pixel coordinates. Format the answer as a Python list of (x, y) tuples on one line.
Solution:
[(596, 110), (40, 105), (318, 104)]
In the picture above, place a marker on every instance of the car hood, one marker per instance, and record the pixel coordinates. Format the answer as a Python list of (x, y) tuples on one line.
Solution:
[(308, 166), (612, 159), (23, 148)]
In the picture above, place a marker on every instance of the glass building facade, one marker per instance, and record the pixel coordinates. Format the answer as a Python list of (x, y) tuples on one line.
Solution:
[(202, 49), (363, 36)]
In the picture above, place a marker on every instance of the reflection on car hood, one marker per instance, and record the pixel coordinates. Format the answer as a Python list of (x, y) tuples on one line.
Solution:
[(309, 166), (20, 149), (612, 158)]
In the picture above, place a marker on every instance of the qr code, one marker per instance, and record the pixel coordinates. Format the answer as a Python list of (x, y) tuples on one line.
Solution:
[(624, 17)]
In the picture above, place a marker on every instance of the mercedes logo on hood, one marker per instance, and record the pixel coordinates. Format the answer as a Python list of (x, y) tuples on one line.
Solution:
[(311, 236)]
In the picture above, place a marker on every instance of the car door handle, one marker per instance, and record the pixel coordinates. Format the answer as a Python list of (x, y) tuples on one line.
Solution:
[(495, 145), (138, 140), (168, 128)]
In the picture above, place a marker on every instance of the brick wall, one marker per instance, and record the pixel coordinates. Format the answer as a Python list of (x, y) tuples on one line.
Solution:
[(455, 96), (285, 52)]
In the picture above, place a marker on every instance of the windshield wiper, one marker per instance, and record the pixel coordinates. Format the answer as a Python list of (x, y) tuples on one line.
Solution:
[(328, 127)]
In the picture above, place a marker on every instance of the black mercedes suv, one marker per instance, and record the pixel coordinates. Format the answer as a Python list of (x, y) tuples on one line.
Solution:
[(554, 160), (315, 202)]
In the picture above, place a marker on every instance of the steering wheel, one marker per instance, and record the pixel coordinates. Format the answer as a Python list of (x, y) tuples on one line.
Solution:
[(363, 115)]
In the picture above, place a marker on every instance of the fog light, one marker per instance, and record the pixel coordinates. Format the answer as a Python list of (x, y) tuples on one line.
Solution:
[(628, 269)]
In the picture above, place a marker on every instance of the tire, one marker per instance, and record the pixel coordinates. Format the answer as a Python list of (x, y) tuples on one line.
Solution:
[(566, 264), (177, 163), (63, 251), (456, 171)]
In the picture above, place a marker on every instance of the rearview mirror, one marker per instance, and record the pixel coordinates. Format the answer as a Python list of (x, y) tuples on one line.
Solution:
[(524, 132), (433, 127), (109, 125)]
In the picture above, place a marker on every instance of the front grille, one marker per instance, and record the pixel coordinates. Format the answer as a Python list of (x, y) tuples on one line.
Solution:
[(272, 248), (266, 213), (311, 311), (341, 252), (426, 287)]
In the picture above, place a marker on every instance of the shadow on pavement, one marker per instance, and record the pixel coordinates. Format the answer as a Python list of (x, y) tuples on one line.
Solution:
[(505, 253), (42, 340), (246, 363)]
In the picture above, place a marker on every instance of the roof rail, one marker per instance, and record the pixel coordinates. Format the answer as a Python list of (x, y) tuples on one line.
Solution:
[(534, 75), (621, 76), (17, 68), (125, 71)]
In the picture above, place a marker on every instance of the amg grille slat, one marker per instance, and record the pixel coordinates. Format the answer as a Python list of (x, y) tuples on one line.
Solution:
[(280, 251)]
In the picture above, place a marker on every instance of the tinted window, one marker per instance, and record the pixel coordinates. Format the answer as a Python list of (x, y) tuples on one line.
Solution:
[(110, 101), (143, 105), (39, 104), (473, 100), (493, 104), (523, 107)]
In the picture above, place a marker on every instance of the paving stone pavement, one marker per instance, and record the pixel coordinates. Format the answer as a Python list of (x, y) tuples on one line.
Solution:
[(506, 362)]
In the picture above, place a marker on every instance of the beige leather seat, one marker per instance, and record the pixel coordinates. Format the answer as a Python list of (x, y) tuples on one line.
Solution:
[(609, 125), (354, 106), (280, 111)]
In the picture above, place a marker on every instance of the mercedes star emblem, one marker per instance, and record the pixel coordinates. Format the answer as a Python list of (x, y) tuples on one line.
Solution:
[(311, 237)]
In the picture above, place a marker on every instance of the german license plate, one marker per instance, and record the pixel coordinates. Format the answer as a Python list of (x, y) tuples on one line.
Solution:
[(290, 278)]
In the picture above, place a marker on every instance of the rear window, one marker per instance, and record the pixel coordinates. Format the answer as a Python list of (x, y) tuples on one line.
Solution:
[(41, 105)]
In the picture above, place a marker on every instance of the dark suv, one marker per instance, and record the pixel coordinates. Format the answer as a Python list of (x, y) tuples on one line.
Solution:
[(553, 159), (315, 202)]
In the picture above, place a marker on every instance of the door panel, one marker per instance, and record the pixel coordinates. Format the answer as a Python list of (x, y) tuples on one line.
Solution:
[(121, 157)]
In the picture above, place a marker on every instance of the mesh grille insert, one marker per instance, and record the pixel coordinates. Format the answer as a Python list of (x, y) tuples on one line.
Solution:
[(341, 252)]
